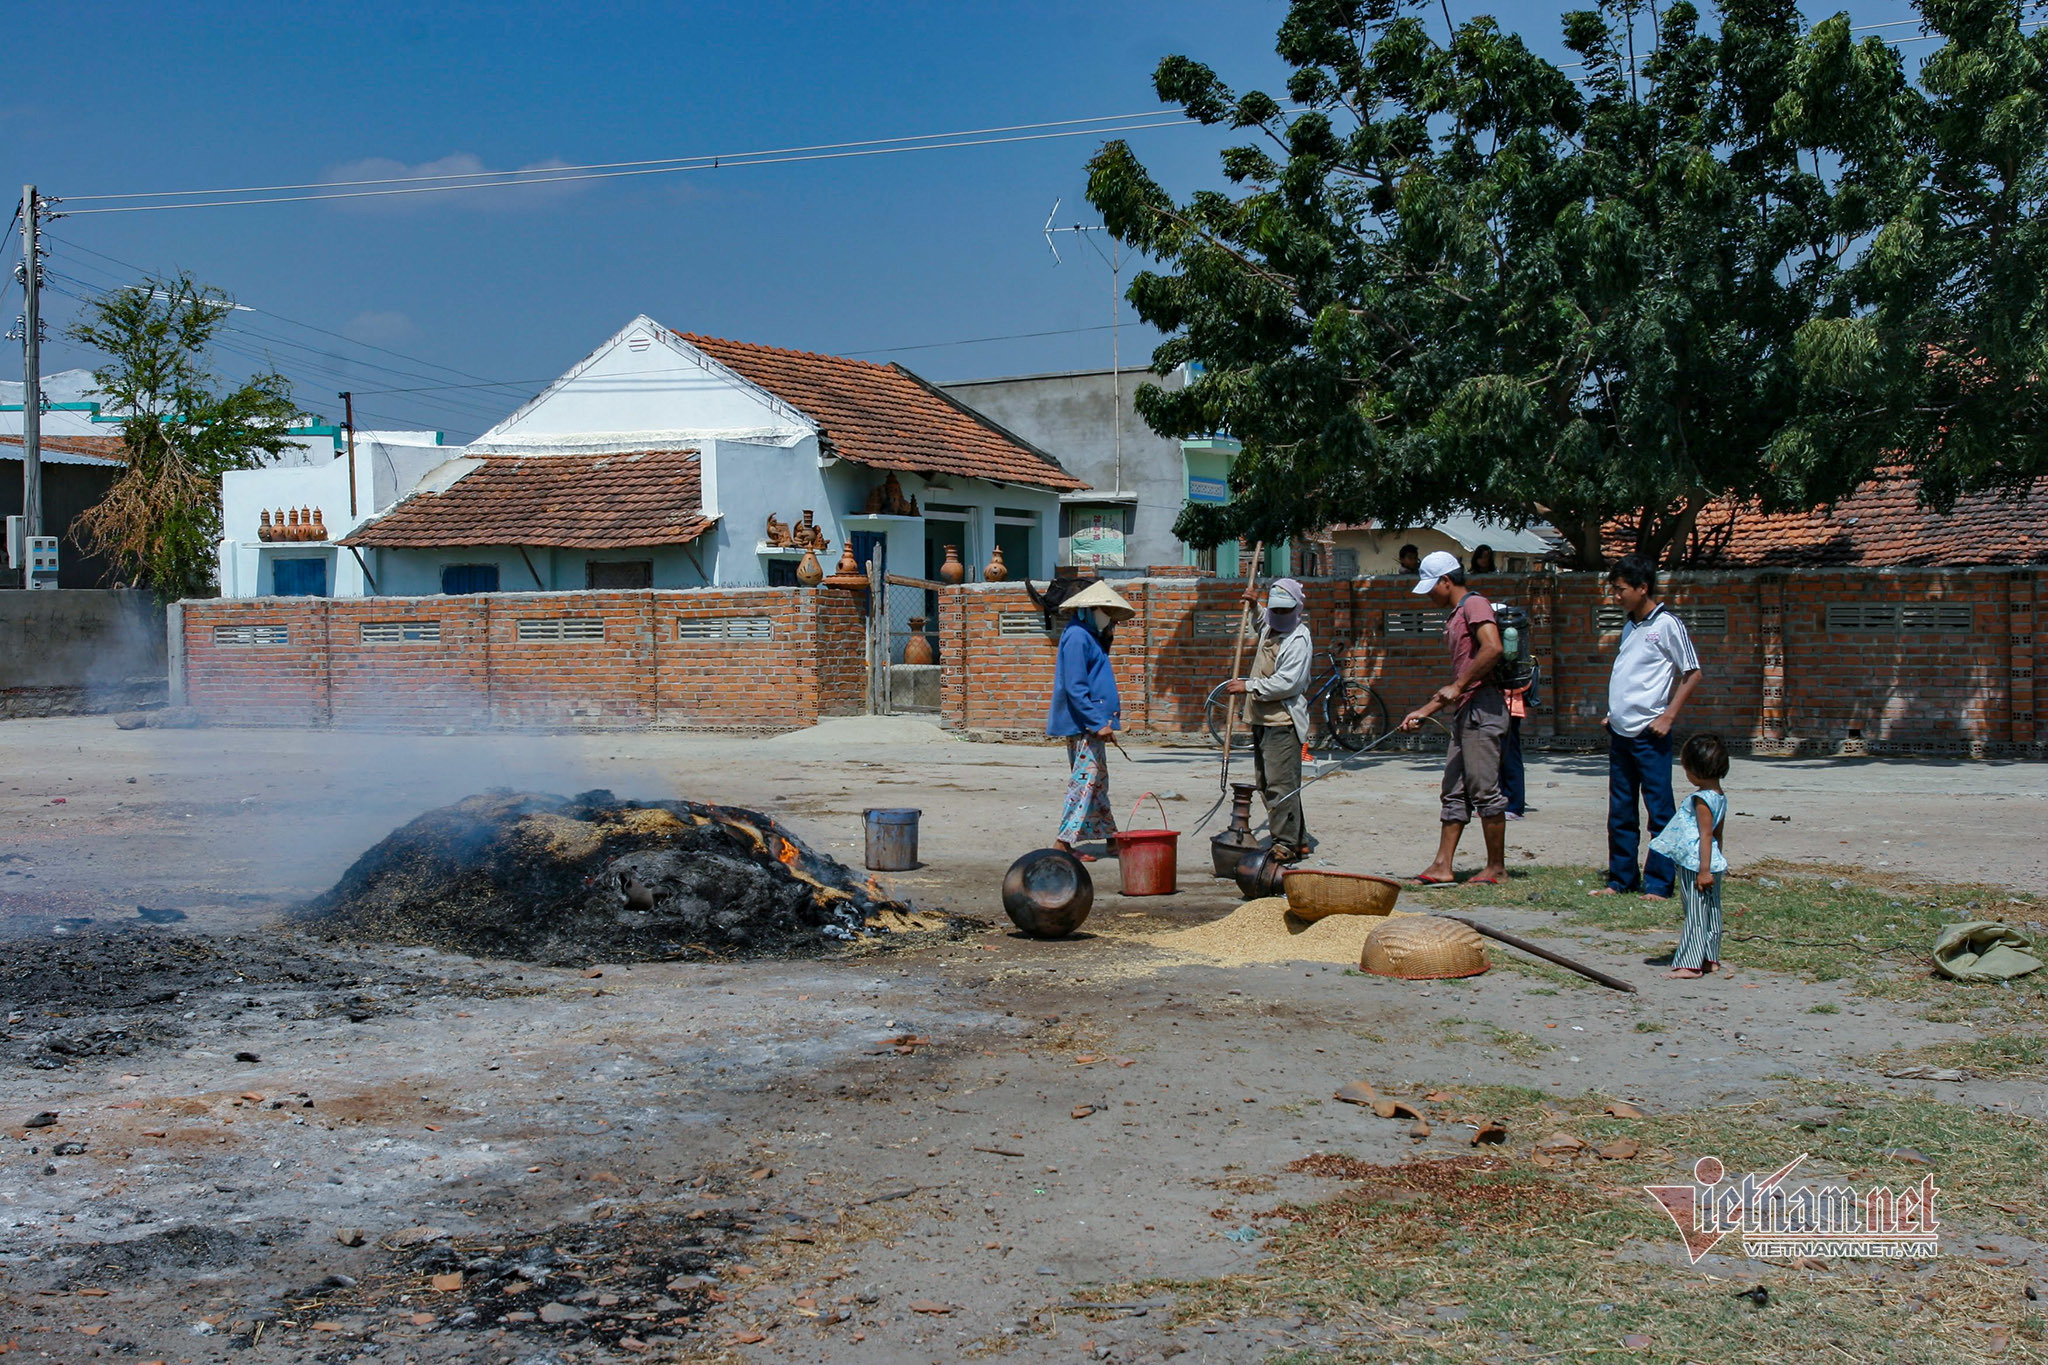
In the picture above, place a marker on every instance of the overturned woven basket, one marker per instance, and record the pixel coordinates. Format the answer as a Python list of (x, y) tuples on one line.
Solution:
[(1423, 948), (1312, 893)]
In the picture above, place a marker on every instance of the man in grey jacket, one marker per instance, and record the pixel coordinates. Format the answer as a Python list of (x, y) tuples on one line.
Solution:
[(1279, 714)]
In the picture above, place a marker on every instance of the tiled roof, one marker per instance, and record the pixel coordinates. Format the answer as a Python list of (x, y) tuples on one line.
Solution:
[(1880, 525), (92, 450), (578, 502), (886, 417)]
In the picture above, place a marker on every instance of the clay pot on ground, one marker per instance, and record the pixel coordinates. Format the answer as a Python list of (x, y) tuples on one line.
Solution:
[(952, 571), (996, 571), (918, 649), (808, 571)]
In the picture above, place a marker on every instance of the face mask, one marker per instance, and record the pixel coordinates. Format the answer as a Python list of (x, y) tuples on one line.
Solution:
[(1103, 620)]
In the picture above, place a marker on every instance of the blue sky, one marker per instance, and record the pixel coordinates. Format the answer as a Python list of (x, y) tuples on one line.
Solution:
[(894, 257)]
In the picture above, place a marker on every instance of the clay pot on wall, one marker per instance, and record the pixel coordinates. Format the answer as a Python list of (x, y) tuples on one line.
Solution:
[(319, 526), (953, 571), (808, 571), (918, 649), (996, 571), (291, 530), (848, 575), (263, 531)]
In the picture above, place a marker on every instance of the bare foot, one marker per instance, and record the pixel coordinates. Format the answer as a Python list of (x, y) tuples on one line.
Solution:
[(1434, 876), (1488, 876), (1604, 891), (1685, 973), (1653, 896)]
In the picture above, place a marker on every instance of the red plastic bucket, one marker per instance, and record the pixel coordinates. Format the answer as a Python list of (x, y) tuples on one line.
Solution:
[(1148, 858)]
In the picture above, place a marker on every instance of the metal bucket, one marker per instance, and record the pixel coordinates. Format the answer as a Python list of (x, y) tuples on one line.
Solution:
[(892, 839)]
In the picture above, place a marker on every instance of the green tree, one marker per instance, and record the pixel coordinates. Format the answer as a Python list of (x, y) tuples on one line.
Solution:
[(160, 521), (1458, 276), (1938, 358)]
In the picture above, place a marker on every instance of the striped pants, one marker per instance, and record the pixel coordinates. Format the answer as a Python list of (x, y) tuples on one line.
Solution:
[(1700, 942)]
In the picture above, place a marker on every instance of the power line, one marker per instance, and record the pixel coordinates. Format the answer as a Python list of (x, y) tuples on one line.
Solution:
[(709, 163), (728, 157)]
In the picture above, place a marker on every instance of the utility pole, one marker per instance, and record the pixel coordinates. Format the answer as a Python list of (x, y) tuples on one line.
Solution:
[(348, 422), (31, 273), (1115, 260)]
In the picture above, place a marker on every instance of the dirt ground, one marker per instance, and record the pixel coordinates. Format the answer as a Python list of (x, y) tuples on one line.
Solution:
[(269, 1147)]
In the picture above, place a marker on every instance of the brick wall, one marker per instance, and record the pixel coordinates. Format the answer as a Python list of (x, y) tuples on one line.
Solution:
[(1780, 676), (774, 658)]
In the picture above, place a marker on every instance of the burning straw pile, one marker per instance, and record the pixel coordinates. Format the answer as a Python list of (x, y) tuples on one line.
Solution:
[(575, 880)]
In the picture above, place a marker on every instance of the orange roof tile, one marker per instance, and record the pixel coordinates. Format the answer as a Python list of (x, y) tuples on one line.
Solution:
[(578, 502), (1880, 525), (110, 448), (886, 417)]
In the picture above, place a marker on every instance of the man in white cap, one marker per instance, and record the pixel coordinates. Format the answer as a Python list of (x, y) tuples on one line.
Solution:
[(1279, 714), (1479, 721)]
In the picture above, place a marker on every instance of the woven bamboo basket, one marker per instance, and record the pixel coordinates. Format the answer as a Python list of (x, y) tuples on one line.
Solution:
[(1423, 948), (1313, 894)]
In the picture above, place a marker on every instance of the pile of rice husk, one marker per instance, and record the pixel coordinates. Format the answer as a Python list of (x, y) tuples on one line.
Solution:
[(591, 878), (1262, 931)]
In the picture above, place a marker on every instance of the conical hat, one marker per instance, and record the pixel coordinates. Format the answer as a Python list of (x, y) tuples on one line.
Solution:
[(1100, 594)]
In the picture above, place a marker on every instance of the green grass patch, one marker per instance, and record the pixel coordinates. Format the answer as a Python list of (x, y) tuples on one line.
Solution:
[(2016, 1055), (1818, 922), (1490, 1257)]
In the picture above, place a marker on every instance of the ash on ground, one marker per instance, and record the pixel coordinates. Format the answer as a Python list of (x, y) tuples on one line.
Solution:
[(590, 878)]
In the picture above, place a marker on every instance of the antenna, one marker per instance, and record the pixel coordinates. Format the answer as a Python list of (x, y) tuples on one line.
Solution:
[(1114, 259)]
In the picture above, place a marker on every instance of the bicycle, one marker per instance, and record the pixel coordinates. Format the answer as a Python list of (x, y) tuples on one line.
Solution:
[(1352, 714)]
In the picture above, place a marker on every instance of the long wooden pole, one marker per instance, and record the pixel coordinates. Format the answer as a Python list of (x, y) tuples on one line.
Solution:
[(1244, 620), (1547, 954)]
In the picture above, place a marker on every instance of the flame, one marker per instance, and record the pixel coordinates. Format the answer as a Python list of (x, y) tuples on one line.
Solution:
[(787, 853)]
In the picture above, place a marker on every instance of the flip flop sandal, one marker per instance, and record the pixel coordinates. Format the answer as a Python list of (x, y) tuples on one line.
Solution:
[(1482, 881), (1434, 881)]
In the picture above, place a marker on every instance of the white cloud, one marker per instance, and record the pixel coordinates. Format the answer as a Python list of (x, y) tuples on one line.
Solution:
[(379, 328), (436, 180)]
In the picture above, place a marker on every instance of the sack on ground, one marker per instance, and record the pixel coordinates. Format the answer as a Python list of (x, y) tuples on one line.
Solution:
[(1983, 951)]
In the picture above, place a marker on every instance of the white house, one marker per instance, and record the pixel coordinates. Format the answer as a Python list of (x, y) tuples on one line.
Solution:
[(73, 406), (658, 461)]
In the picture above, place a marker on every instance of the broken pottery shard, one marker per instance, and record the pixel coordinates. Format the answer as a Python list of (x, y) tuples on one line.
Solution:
[(1625, 1111), (417, 1236), (1561, 1142), (1911, 1155), (560, 1313), (1618, 1149), (349, 1237), (1928, 1073), (448, 1283), (1809, 1263), (1419, 1129), (1082, 1111), (748, 1338), (1491, 1131), (1636, 1341), (1438, 1097), (927, 1306), (42, 1120), (1357, 1092)]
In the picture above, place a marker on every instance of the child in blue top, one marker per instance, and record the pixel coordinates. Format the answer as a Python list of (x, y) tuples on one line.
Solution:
[(1693, 840)]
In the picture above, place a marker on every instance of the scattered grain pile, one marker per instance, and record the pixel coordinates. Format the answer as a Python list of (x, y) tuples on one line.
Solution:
[(574, 880), (1262, 931)]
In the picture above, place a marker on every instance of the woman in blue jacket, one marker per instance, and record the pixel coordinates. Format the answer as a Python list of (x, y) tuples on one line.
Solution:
[(1085, 711)]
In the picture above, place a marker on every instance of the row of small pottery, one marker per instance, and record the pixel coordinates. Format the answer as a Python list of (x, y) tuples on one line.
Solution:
[(303, 524), (805, 535), (886, 499), (918, 648)]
